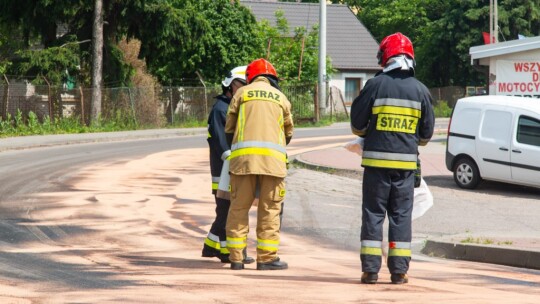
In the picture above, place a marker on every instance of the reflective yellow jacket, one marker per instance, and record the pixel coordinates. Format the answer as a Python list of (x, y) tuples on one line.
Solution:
[(260, 117)]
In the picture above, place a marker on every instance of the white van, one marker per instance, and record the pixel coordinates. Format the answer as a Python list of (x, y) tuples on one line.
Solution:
[(496, 138)]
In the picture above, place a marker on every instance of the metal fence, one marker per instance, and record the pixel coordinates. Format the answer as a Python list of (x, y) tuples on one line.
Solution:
[(450, 95), (159, 106), (147, 106)]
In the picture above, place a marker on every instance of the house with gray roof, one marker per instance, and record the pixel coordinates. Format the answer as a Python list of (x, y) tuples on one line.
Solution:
[(349, 44)]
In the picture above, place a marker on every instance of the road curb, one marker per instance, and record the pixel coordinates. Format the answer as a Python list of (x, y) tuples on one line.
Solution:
[(484, 254), (468, 252), (297, 160)]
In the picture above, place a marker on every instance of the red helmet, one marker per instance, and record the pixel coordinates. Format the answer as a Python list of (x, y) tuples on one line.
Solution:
[(394, 45), (260, 67)]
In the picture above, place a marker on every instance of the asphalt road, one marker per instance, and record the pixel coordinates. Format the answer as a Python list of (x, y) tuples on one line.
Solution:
[(322, 208)]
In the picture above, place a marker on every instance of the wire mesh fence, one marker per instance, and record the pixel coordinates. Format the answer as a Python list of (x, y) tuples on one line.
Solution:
[(160, 106), (450, 95), (143, 106)]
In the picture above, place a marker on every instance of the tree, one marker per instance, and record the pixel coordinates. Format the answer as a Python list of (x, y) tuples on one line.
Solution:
[(178, 37), (519, 17), (443, 47), (295, 55), (97, 59), (54, 63), (38, 22), (444, 30), (209, 36)]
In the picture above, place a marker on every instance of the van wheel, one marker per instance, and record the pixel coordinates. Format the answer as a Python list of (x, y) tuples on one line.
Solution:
[(466, 174)]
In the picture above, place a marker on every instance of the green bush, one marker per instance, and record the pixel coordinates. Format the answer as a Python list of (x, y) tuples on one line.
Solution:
[(30, 125), (442, 109)]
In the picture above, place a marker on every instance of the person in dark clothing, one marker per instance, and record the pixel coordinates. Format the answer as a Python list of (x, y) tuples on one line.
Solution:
[(215, 244), (394, 114)]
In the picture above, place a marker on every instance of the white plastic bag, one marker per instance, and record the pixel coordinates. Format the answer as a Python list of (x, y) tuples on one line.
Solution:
[(423, 200), (223, 190), (355, 146)]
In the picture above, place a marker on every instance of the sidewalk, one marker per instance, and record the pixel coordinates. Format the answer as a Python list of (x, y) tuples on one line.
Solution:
[(432, 158), (34, 141)]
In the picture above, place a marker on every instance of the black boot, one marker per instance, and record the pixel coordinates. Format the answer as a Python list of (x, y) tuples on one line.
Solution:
[(209, 253), (237, 266), (399, 278), (274, 265), (369, 278)]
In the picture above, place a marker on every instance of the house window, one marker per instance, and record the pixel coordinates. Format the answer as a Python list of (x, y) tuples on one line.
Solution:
[(352, 89)]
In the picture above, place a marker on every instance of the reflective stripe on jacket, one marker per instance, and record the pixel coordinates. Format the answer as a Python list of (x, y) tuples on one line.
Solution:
[(394, 114), (260, 118)]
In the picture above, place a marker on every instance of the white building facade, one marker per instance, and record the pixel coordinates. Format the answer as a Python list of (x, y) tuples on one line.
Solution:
[(514, 66)]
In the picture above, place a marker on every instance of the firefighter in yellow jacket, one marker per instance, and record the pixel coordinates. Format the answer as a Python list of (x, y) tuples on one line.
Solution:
[(259, 126)]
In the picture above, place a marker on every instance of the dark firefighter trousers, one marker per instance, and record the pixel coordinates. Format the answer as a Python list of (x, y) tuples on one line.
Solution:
[(216, 242), (386, 191)]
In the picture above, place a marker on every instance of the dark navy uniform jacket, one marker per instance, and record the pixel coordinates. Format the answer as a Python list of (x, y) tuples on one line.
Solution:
[(394, 114), (216, 137)]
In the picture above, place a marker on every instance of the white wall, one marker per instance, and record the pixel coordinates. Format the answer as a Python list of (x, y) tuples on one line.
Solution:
[(338, 79), (532, 56)]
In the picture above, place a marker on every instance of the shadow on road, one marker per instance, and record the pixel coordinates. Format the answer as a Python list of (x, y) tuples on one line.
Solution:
[(485, 187), (35, 267)]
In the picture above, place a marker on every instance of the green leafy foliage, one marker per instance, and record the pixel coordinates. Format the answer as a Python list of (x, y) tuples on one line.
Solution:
[(178, 37), (118, 72), (294, 55), (181, 38), (53, 63), (441, 109), (22, 125), (443, 31)]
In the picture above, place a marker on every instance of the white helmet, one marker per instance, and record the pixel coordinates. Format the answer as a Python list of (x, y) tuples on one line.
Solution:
[(236, 73)]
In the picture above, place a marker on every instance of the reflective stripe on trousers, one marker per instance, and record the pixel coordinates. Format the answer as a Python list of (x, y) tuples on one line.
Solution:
[(212, 240), (401, 249), (268, 245), (371, 247), (215, 182), (240, 243)]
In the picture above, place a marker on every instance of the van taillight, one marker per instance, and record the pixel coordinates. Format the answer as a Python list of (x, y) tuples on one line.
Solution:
[(449, 123)]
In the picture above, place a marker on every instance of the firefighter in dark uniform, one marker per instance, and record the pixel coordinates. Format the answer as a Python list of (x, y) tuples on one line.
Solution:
[(393, 113), (215, 244)]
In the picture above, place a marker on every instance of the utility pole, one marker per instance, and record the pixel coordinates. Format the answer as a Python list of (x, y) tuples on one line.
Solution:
[(490, 21), (493, 22), (97, 60), (496, 24), (322, 57)]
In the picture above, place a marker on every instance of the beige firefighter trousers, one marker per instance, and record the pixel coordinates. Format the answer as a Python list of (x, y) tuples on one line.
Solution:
[(271, 196)]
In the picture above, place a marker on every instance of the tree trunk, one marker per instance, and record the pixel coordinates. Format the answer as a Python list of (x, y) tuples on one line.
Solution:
[(97, 60)]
